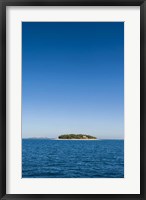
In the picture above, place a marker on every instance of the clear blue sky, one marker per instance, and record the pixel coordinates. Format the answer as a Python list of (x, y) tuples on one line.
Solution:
[(73, 79)]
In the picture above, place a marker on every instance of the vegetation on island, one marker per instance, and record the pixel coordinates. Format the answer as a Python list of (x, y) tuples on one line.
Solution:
[(76, 136)]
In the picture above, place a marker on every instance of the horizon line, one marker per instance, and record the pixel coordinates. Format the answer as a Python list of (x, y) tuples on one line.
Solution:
[(70, 139)]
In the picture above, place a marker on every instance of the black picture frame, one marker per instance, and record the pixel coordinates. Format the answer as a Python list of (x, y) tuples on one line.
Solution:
[(3, 182)]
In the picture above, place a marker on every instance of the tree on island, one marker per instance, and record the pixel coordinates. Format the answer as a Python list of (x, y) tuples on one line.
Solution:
[(76, 136)]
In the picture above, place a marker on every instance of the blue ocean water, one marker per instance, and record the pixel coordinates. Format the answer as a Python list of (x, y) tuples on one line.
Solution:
[(43, 158)]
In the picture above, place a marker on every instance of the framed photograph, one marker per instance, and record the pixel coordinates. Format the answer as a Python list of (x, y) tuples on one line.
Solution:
[(72, 88)]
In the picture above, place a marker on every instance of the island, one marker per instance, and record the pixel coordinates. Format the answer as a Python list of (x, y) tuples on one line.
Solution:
[(76, 137)]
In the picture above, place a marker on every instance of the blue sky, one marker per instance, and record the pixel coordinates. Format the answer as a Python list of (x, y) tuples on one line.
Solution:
[(73, 79)]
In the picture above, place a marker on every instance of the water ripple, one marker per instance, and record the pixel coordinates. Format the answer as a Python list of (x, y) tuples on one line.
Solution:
[(72, 159)]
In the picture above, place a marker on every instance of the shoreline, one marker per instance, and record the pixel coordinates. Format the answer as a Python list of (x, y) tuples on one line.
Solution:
[(76, 139)]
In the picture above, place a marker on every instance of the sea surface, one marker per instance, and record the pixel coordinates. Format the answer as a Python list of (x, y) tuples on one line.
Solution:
[(43, 158)]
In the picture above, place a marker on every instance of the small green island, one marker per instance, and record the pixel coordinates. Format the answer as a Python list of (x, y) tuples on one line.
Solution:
[(76, 137)]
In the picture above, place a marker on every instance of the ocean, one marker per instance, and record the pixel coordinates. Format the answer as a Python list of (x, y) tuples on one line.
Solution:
[(44, 158)]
